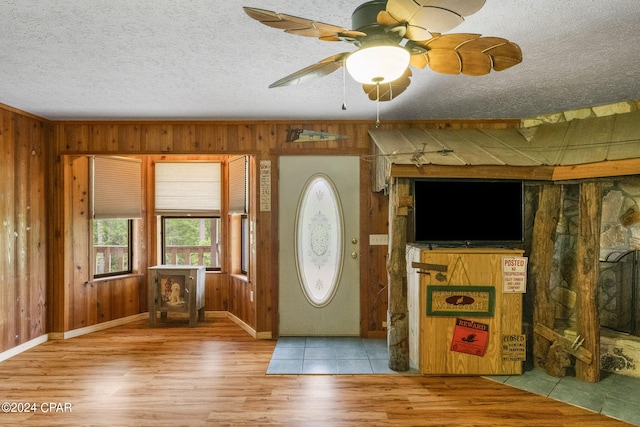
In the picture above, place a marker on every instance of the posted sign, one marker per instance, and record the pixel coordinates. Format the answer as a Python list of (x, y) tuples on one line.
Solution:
[(514, 274)]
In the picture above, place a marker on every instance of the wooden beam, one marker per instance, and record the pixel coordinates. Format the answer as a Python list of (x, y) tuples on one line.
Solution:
[(597, 170), (426, 266), (540, 265), (398, 314), (588, 321), (550, 335), (529, 173)]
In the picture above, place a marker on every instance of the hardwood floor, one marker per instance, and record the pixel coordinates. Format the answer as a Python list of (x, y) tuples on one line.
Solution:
[(214, 374)]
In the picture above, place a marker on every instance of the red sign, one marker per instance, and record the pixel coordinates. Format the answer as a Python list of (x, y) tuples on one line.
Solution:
[(470, 337)]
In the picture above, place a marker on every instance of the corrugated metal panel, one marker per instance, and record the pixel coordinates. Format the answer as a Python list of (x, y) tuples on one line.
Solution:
[(586, 141), (549, 142), (625, 137), (463, 144), (400, 147), (511, 146), (454, 147)]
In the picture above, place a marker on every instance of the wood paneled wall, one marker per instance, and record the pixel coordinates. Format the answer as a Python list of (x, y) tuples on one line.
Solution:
[(45, 281), (87, 302), (264, 141), (23, 221)]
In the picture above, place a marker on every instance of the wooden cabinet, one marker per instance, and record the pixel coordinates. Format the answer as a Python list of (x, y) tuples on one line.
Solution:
[(176, 289), (448, 278)]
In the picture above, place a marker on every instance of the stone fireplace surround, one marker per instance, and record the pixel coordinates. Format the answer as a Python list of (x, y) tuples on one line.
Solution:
[(619, 238)]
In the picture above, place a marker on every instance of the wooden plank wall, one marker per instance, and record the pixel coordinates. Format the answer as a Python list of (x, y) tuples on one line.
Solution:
[(88, 302), (78, 305), (469, 267), (23, 157)]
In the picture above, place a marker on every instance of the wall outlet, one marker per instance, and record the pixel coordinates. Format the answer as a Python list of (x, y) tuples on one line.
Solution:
[(251, 296), (378, 239), (384, 324)]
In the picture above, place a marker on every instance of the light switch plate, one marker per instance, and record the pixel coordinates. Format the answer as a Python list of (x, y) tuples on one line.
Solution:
[(378, 239)]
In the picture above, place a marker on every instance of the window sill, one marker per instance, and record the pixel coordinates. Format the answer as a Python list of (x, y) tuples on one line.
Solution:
[(239, 276), (115, 277)]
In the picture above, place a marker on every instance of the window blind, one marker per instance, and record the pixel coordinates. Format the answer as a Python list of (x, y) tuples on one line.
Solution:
[(116, 188), (187, 188), (238, 185)]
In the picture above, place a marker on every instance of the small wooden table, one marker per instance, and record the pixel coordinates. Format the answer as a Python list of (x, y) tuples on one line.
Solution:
[(176, 289)]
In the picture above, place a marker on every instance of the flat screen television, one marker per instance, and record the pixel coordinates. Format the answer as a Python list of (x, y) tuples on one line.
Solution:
[(469, 212)]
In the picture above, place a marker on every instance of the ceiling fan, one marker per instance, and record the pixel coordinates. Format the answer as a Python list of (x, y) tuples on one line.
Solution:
[(381, 62)]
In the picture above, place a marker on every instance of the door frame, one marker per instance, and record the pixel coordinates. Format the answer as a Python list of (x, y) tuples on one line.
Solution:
[(300, 170)]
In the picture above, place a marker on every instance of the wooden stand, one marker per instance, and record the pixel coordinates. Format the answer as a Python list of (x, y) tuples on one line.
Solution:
[(176, 289), (431, 335)]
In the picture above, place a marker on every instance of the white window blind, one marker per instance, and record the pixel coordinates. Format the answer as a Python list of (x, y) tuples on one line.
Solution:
[(188, 188), (238, 185), (117, 188)]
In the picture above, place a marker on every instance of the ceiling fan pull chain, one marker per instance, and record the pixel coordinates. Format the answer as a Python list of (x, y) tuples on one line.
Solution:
[(344, 88), (377, 104)]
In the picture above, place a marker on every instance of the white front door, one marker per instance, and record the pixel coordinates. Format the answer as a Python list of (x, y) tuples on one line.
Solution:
[(319, 273)]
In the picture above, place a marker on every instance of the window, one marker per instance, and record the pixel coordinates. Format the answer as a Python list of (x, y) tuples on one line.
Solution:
[(188, 188), (191, 241), (188, 201), (244, 256), (238, 202), (112, 246), (115, 202)]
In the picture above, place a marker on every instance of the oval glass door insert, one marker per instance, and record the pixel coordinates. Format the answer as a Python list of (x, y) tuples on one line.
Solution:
[(319, 240)]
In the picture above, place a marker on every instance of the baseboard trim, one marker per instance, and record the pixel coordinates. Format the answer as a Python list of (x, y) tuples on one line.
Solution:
[(257, 335), (216, 314), (118, 322), (242, 324), (23, 347), (98, 327)]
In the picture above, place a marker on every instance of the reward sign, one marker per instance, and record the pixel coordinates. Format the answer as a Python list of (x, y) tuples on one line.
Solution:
[(514, 274), (470, 337)]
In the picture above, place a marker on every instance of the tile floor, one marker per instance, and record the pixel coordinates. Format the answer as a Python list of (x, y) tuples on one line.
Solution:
[(331, 356), (616, 396)]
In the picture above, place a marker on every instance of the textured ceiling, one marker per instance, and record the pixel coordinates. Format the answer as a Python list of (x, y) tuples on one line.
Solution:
[(196, 59)]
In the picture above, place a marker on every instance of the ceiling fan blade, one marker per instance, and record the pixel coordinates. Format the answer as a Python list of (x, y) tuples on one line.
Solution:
[(447, 41), (475, 63), (468, 54), (443, 61), (502, 62), (302, 26), (391, 90), (504, 54), (422, 18), (317, 70), (501, 53)]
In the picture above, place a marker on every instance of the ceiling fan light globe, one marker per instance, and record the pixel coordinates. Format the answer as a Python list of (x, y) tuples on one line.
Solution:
[(378, 64)]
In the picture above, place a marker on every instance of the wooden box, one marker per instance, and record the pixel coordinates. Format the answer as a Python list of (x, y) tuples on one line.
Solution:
[(176, 289), (432, 334)]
